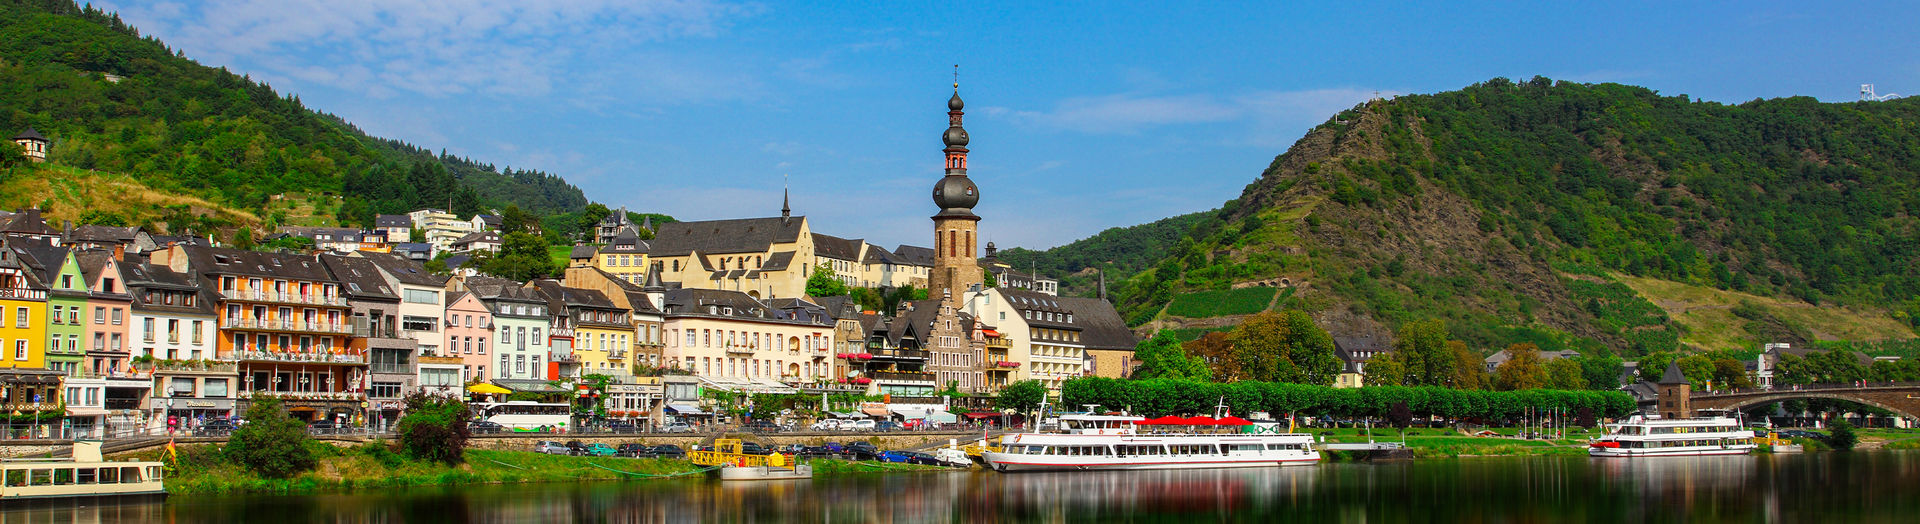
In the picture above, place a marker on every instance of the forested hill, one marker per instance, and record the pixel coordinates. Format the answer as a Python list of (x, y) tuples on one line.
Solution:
[(115, 102), (1595, 216)]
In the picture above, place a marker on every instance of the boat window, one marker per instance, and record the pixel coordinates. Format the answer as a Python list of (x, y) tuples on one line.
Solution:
[(130, 475), (16, 478), (109, 476), (153, 472), (86, 475)]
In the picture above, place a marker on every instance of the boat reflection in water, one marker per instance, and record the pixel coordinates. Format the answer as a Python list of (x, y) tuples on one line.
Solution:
[(1816, 487)]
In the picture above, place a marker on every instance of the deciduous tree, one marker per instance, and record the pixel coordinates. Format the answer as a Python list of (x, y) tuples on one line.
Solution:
[(1284, 347), (1522, 370), (270, 444), (1163, 357)]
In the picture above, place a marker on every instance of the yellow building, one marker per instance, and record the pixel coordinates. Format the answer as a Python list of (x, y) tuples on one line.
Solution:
[(625, 258), (602, 333), (23, 316), (730, 336), (764, 258)]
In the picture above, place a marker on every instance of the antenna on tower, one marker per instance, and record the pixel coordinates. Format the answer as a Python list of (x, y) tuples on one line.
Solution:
[(956, 78), (1867, 94)]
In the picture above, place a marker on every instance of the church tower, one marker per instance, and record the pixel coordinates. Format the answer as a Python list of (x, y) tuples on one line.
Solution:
[(955, 270)]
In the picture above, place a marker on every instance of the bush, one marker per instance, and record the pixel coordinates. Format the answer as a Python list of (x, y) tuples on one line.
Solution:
[(270, 444), (434, 428), (1842, 437)]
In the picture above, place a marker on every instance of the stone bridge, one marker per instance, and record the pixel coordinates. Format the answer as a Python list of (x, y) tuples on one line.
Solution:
[(1902, 398)]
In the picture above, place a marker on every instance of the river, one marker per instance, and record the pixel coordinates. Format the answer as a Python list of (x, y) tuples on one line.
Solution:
[(1821, 487)]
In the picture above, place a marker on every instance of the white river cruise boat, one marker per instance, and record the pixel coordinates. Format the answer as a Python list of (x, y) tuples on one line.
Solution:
[(1655, 437), (1115, 442)]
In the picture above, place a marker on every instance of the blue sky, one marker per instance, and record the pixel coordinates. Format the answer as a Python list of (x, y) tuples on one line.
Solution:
[(1083, 115)]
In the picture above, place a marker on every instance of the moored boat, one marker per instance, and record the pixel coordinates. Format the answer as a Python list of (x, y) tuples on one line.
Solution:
[(1114, 442), (85, 474), (1641, 436)]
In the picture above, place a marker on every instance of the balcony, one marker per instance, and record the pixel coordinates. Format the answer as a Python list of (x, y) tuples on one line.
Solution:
[(187, 365), (29, 407), (310, 395), (23, 293), (902, 376), (300, 357), (900, 354), (568, 358), (739, 348), (286, 325), (283, 298), (442, 361), (562, 333)]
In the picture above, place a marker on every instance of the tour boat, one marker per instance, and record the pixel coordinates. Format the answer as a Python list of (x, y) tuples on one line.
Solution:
[(1656, 437), (85, 474), (1115, 442)]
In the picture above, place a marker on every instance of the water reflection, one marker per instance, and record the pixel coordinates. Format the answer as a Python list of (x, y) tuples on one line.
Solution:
[(1861, 487)]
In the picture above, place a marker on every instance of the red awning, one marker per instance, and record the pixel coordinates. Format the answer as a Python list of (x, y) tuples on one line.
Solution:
[(1163, 421), (990, 333), (1199, 421), (1233, 421), (977, 416)]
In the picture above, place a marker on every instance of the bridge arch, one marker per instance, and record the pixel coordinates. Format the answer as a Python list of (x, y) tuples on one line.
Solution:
[(1902, 401)]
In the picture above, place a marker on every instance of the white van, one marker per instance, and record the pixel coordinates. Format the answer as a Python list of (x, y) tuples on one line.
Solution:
[(860, 425)]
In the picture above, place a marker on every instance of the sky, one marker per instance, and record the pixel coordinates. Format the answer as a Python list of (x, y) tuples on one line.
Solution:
[(1083, 115)]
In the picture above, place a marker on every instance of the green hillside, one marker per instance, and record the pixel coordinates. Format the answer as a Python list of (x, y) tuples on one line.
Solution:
[(1566, 214), (117, 102)]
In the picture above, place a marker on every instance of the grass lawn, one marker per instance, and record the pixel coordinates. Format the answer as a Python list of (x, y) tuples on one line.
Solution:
[(562, 255)]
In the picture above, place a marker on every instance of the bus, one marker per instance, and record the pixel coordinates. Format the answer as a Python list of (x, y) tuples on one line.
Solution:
[(525, 415)]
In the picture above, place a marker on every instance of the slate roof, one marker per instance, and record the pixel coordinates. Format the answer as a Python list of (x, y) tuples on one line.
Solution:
[(743, 235), (1673, 376), (559, 295), (92, 233), (405, 270), (914, 255), (778, 261), (583, 251), (141, 277), (26, 221), (392, 221), (839, 307), (836, 247), (40, 256), (359, 277), (479, 236), (1028, 300), (1100, 325), (627, 242), (30, 134), (92, 263), (219, 260)]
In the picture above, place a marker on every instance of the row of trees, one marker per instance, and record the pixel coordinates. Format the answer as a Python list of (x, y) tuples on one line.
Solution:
[(274, 445), (1167, 396)]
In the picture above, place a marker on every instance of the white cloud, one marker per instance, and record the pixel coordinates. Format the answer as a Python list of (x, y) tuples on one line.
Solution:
[(1266, 114)]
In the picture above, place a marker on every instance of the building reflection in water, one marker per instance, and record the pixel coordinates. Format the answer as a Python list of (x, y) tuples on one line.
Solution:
[(1857, 487)]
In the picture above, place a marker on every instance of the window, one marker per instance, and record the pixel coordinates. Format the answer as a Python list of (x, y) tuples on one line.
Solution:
[(20, 317), (503, 363), (216, 387), (147, 328), (423, 296), (57, 310), (196, 331), (20, 349), (414, 323), (181, 387), (118, 314), (99, 314)]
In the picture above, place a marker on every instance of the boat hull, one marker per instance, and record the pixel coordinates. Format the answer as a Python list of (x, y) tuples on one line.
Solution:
[(1013, 462), (1670, 452), (798, 472)]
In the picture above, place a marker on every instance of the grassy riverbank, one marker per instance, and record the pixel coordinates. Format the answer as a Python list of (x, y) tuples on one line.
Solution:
[(203, 471), (1448, 443)]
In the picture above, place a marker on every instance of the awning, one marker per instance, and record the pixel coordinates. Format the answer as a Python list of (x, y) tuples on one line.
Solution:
[(487, 389), (847, 414), (981, 415), (686, 409), (85, 412), (875, 412), (990, 333)]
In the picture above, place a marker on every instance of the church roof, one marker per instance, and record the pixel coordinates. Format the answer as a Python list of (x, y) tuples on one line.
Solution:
[(836, 248), (915, 255), (1100, 325), (741, 235)]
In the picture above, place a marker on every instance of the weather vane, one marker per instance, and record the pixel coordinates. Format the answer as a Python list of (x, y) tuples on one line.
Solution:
[(956, 77)]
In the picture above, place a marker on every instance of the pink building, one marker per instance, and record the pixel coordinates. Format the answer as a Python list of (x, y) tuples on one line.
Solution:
[(108, 307), (468, 324)]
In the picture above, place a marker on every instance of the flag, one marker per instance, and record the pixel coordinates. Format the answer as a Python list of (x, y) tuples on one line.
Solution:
[(173, 452)]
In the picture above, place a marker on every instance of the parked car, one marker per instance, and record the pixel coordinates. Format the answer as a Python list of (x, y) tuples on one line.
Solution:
[(550, 447), (832, 424), (575, 447), (753, 449), (214, 428), (816, 451), (891, 456), (631, 449), (761, 426), (598, 450), (862, 450), (915, 457), (668, 451), (622, 426), (677, 427), (479, 427), (835, 447), (886, 425), (861, 425), (791, 449)]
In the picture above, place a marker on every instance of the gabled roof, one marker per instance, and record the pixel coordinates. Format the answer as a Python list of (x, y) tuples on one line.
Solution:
[(211, 260), (1029, 300), (778, 261), (30, 134), (560, 295), (40, 256), (360, 277), (627, 242), (1100, 325), (479, 236), (27, 222), (92, 233), (93, 262), (741, 235), (837, 248), (392, 221), (406, 270), (143, 277), (583, 251), (839, 307), (914, 255)]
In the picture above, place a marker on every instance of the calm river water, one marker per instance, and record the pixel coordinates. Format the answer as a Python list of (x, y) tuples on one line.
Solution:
[(1823, 487)]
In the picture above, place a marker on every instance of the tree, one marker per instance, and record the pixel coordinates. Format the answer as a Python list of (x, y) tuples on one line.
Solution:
[(1163, 357), (1469, 370), (988, 279), (1422, 346), (1284, 347), (1699, 371), (270, 444), (522, 257), (512, 220), (417, 235), (434, 428), (1842, 438), (1386, 370), (1215, 349), (1522, 370), (1602, 372), (287, 243), (1653, 365), (11, 154), (1022, 396), (243, 239), (1565, 374), (824, 283), (1730, 373)]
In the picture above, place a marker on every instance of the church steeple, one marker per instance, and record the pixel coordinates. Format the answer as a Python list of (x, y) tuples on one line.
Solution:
[(955, 270)]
